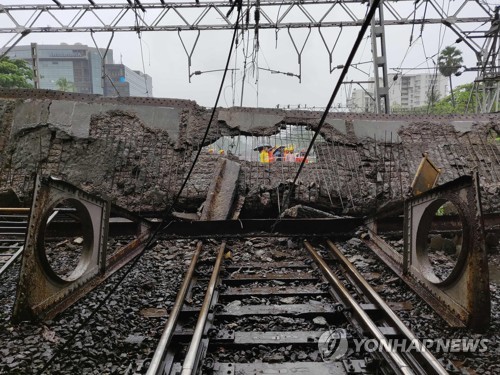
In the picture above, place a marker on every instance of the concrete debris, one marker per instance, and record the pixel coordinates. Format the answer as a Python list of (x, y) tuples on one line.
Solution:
[(134, 339), (153, 312), (319, 320), (78, 240)]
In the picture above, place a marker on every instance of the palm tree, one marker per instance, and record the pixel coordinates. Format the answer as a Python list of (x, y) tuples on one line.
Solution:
[(64, 85), (449, 61)]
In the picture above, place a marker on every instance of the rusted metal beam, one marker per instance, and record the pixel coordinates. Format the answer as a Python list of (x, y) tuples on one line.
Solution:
[(441, 223), (41, 292), (464, 293), (262, 227)]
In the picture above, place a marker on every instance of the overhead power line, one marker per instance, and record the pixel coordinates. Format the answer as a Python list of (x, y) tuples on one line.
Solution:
[(373, 7)]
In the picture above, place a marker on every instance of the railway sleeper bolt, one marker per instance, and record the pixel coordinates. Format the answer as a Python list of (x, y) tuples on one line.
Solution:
[(214, 332), (324, 286), (218, 308), (221, 288), (449, 366), (355, 367), (372, 364), (208, 364)]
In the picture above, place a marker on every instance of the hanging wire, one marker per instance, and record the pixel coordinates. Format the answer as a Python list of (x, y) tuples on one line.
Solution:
[(348, 63), (139, 36)]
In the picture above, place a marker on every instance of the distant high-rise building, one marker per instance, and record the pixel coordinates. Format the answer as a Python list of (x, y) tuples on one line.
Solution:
[(415, 90), (361, 100), (408, 91), (80, 67), (124, 81)]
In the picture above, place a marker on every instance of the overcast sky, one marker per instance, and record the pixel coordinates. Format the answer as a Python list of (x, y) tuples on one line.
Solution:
[(166, 61)]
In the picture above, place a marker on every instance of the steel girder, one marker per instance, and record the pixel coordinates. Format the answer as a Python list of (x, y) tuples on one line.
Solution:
[(42, 292), (155, 16), (461, 297), (139, 16)]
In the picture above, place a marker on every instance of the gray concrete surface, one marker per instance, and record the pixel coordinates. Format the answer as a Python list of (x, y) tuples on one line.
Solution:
[(337, 124), (30, 113), (249, 121), (379, 130)]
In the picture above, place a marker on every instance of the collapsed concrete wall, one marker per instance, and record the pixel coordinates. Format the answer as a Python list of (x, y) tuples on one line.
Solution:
[(137, 151)]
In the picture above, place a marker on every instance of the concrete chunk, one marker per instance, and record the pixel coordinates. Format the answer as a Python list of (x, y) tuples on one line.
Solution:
[(248, 121), (222, 191), (337, 124), (381, 130), (30, 113)]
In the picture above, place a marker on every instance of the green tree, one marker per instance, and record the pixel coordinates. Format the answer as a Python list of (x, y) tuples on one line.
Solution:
[(449, 61), (464, 100), (64, 85), (432, 97), (15, 73)]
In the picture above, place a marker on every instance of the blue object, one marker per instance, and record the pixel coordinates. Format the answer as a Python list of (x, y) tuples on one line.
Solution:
[(122, 79)]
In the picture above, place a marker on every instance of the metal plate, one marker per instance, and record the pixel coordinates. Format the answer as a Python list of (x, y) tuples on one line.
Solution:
[(426, 177), (288, 310), (466, 289), (277, 338), (306, 290), (463, 297), (302, 368), (40, 290), (41, 293), (262, 227)]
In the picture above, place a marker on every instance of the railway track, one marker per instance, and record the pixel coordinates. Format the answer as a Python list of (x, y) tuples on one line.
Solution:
[(284, 315), (13, 227)]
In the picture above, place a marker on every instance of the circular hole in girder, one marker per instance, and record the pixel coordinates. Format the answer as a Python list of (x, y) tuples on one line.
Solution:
[(67, 240), (440, 242)]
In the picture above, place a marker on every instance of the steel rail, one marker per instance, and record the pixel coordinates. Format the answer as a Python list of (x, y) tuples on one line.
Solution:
[(14, 210), (434, 364), (189, 365), (158, 358), (402, 366), (16, 255)]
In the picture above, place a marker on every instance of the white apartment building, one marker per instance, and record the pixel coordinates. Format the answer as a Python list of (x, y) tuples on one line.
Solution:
[(408, 91)]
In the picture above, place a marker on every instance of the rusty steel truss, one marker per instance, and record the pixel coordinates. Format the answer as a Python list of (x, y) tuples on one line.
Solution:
[(475, 23), (41, 292), (462, 298)]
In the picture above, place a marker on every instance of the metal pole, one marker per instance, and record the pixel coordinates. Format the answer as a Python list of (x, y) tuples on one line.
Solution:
[(166, 337), (35, 64), (188, 367), (436, 366), (377, 107), (369, 324)]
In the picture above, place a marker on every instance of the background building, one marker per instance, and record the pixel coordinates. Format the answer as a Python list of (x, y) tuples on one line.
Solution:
[(361, 100), (81, 67), (408, 91), (126, 81), (414, 90)]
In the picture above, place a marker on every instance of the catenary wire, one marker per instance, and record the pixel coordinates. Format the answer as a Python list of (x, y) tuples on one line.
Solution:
[(373, 7)]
